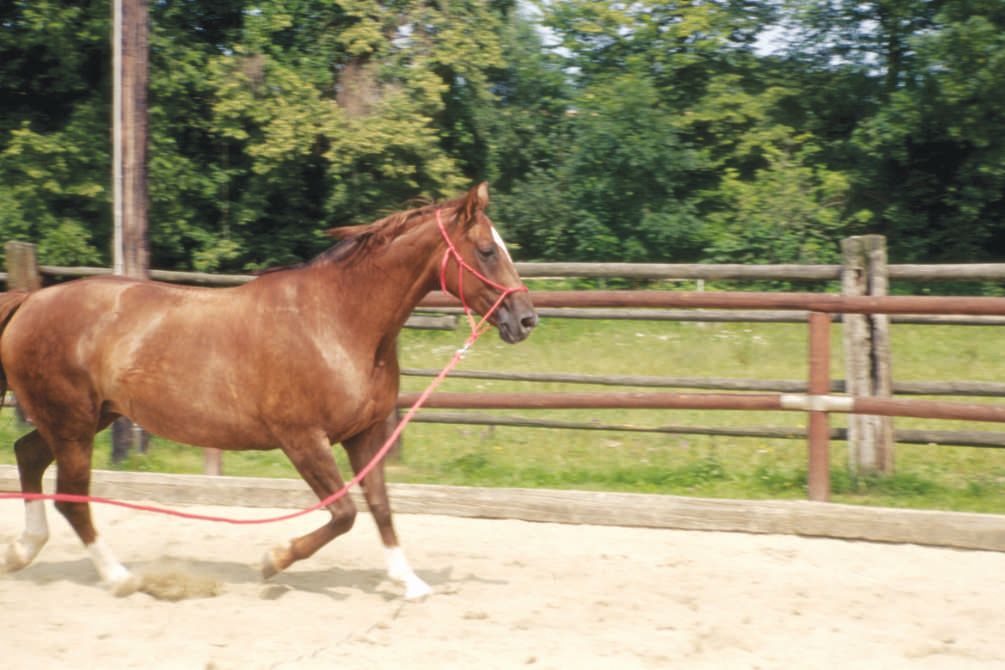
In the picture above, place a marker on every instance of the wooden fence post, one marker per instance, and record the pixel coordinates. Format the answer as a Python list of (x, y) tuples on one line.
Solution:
[(22, 267), (867, 354), (22, 275)]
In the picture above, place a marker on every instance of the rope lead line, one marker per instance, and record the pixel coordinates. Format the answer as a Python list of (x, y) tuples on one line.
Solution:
[(477, 330)]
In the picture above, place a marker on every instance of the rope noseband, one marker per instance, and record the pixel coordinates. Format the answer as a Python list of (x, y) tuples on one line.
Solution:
[(462, 265)]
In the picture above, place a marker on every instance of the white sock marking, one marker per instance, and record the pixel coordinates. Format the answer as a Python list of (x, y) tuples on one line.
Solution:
[(111, 571), (35, 523), (23, 550), (399, 570)]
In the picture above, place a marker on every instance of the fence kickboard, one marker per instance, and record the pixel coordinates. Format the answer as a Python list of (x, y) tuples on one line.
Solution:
[(936, 528)]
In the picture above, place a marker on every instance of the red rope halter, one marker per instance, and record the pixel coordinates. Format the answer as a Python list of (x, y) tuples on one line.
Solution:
[(462, 265)]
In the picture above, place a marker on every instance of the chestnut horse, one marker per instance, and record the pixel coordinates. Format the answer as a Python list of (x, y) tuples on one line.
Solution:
[(297, 359)]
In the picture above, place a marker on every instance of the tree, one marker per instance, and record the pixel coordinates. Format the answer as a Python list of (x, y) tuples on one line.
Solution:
[(269, 122), (52, 135), (674, 125), (902, 95), (937, 153)]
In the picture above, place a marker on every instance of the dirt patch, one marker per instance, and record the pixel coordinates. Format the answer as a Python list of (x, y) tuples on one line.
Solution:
[(173, 581)]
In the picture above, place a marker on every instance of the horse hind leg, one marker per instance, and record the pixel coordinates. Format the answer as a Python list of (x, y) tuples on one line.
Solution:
[(313, 459), (73, 460), (33, 457)]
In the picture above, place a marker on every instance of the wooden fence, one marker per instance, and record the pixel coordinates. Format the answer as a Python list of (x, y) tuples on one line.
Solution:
[(864, 273), (818, 402)]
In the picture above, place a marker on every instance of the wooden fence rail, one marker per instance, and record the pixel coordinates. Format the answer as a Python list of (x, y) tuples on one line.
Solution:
[(817, 403), (650, 271), (985, 389), (960, 438), (864, 270)]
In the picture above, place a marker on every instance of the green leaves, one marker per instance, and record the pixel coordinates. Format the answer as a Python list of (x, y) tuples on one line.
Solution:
[(45, 187), (644, 131)]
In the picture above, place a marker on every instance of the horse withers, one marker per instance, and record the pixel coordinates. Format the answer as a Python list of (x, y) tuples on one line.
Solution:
[(297, 359)]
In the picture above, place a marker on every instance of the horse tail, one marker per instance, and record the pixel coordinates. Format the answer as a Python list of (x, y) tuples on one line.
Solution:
[(9, 303)]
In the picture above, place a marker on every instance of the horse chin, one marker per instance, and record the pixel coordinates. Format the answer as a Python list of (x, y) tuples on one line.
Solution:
[(509, 337)]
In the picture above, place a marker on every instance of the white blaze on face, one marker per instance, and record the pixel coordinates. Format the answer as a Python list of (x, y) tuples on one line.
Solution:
[(499, 243)]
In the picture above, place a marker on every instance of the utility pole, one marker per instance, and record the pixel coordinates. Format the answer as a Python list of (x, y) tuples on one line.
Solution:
[(130, 255)]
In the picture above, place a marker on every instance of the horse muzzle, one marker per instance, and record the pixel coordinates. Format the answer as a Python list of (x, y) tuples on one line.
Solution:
[(515, 318)]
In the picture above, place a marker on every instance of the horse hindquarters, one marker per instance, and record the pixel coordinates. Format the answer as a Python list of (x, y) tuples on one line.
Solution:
[(35, 352), (33, 457)]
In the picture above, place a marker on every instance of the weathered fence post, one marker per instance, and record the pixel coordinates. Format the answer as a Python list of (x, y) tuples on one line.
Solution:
[(867, 354), (22, 275), (22, 267)]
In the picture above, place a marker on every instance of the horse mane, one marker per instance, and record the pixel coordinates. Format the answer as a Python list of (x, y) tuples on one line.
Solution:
[(354, 241)]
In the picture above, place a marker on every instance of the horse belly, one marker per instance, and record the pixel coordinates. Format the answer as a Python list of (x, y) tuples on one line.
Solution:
[(190, 401)]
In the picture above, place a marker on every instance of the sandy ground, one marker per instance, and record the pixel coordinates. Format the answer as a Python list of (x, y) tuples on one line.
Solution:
[(509, 594)]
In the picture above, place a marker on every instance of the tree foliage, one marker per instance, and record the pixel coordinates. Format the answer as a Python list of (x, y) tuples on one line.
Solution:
[(643, 131)]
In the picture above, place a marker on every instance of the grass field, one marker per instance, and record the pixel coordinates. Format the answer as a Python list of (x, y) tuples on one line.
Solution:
[(927, 476)]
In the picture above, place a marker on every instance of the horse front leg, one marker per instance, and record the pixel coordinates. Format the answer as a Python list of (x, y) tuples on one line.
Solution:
[(312, 456), (361, 449)]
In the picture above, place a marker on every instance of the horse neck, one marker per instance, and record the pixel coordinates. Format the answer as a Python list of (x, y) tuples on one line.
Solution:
[(385, 286)]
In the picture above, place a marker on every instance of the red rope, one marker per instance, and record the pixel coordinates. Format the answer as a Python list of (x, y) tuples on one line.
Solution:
[(477, 330)]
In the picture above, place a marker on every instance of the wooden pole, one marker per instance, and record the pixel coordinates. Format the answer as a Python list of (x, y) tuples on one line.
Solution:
[(882, 375), (22, 267), (867, 353), (854, 279), (818, 429), (22, 275), (132, 254), (130, 50)]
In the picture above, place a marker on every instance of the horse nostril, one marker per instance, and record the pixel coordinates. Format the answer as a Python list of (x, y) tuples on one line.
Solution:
[(529, 321)]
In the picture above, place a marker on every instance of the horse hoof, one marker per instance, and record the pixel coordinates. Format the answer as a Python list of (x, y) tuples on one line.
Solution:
[(416, 589), (272, 563), (125, 585), (16, 558)]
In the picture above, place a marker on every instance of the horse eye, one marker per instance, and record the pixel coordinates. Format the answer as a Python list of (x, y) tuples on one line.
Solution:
[(487, 253)]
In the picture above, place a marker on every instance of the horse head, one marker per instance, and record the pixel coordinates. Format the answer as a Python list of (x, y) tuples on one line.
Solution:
[(478, 269)]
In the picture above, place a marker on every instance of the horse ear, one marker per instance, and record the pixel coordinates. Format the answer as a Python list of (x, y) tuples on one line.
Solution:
[(481, 193), (477, 199)]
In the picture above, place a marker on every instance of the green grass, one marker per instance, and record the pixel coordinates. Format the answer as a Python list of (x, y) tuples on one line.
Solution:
[(927, 476)]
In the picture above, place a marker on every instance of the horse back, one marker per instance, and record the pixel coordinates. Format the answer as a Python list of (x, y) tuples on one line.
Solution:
[(202, 366)]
